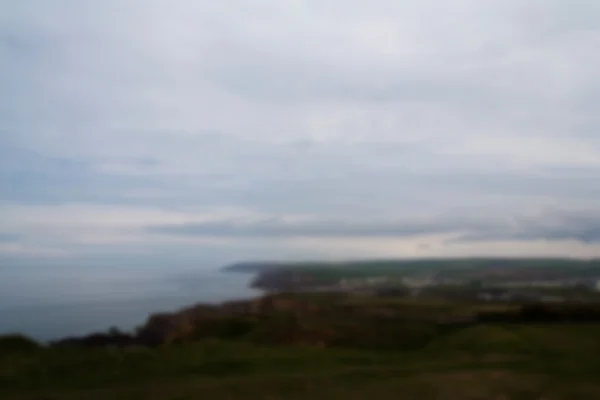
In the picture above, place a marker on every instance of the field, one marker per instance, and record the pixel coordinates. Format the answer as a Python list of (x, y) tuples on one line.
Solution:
[(419, 266), (490, 271), (517, 362), (395, 359)]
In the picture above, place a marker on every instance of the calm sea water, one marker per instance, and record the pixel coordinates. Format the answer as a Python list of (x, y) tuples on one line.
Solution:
[(47, 304)]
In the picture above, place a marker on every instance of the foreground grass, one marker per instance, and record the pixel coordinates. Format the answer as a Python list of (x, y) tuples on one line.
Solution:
[(477, 362)]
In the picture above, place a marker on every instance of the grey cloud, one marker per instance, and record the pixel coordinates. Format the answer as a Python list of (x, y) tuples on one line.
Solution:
[(493, 77), (333, 227), (279, 228), (368, 178), (7, 237), (581, 226), (359, 114), (29, 177)]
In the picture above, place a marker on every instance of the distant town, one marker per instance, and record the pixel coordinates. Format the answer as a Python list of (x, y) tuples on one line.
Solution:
[(485, 280)]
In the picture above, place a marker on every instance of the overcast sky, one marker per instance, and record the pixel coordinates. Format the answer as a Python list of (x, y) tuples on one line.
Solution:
[(183, 131)]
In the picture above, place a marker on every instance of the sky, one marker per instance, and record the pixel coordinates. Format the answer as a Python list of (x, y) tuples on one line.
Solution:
[(159, 133)]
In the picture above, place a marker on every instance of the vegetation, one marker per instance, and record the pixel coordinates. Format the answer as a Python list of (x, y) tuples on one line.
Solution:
[(419, 266), (297, 275), (321, 347), (17, 344)]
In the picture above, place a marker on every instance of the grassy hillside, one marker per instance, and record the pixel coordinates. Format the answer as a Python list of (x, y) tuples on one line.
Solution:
[(362, 348), (287, 276), (450, 266)]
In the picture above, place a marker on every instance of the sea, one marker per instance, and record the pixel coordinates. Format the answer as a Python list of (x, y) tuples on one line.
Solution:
[(51, 303)]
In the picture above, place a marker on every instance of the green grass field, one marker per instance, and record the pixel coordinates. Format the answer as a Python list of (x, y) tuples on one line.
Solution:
[(450, 267), (478, 362)]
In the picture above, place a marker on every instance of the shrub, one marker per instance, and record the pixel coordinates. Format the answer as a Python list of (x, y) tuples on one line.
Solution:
[(17, 344)]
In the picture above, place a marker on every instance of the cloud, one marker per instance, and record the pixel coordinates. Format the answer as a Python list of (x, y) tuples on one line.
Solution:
[(576, 225), (9, 237), (278, 227), (550, 225), (132, 124)]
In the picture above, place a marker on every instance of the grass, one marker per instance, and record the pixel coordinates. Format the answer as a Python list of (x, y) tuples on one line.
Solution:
[(479, 362), (372, 355)]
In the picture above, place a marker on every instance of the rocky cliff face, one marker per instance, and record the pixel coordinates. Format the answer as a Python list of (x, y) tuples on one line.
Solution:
[(218, 320), (326, 320)]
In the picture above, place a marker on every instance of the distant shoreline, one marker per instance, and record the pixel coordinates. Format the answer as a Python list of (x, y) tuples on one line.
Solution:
[(278, 276)]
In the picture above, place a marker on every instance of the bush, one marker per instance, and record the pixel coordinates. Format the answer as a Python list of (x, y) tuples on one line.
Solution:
[(17, 344)]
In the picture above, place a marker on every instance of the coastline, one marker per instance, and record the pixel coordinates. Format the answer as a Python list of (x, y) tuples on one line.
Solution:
[(51, 317)]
